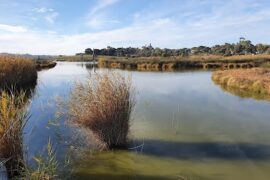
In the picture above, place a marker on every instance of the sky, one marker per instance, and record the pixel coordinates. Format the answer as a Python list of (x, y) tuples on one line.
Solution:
[(66, 27)]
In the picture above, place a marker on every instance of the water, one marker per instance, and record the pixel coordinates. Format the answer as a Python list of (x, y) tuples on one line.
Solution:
[(183, 127)]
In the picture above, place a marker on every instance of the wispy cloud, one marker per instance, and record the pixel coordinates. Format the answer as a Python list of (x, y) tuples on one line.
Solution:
[(98, 17), (49, 14), (102, 4), (43, 10), (100, 20), (50, 18)]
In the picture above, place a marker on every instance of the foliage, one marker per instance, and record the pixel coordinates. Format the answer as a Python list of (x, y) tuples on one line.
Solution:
[(243, 47)]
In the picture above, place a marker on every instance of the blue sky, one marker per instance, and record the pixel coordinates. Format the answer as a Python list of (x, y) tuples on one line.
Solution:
[(69, 26)]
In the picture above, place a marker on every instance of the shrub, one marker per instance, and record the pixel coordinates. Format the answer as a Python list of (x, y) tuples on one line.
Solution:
[(104, 105)]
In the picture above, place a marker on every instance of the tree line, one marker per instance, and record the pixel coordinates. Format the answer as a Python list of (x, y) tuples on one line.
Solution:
[(243, 47)]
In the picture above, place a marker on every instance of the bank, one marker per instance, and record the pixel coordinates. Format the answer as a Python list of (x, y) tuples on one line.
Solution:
[(176, 63)]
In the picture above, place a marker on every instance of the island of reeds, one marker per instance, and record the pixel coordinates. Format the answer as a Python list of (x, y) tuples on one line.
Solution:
[(253, 82)]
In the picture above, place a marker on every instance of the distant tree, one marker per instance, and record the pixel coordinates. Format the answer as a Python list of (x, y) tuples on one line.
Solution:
[(184, 52), (244, 46), (267, 51), (261, 48), (88, 51), (97, 52)]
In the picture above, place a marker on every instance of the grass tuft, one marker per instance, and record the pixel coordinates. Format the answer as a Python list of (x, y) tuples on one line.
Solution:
[(104, 105), (13, 117)]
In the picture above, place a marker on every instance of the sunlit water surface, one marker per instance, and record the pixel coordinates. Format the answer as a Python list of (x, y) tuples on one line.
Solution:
[(183, 127)]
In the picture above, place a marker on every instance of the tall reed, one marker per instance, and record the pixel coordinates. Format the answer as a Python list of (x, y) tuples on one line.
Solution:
[(13, 117), (104, 105), (17, 72)]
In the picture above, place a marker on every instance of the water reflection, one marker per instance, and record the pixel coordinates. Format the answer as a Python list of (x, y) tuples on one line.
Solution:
[(243, 93), (199, 150)]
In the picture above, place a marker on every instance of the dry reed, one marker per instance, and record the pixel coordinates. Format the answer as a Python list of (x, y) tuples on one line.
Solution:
[(256, 80), (13, 116), (17, 72), (104, 105)]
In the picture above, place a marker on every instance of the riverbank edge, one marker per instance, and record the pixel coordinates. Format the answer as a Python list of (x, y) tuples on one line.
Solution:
[(41, 65), (173, 63), (253, 82)]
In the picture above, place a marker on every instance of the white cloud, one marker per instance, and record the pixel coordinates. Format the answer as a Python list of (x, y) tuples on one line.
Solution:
[(43, 10), (13, 29), (163, 28), (48, 43)]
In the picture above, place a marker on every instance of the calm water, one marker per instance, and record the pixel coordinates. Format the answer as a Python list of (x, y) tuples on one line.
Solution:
[(183, 127)]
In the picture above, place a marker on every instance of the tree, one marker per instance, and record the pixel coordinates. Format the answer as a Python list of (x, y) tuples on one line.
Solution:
[(88, 51), (261, 48)]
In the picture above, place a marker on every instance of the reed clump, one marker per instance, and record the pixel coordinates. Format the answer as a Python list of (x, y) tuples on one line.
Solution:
[(256, 80), (104, 105), (13, 117), (17, 72)]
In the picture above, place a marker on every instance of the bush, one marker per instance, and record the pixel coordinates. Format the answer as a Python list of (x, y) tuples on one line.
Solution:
[(104, 105)]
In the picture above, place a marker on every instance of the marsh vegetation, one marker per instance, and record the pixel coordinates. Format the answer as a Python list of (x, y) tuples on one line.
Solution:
[(104, 105), (182, 63), (255, 82), (13, 116), (17, 72)]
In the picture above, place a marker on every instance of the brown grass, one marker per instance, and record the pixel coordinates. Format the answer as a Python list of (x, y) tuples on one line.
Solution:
[(13, 117), (256, 80), (249, 57), (206, 58), (17, 72), (189, 62), (104, 105), (75, 58)]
